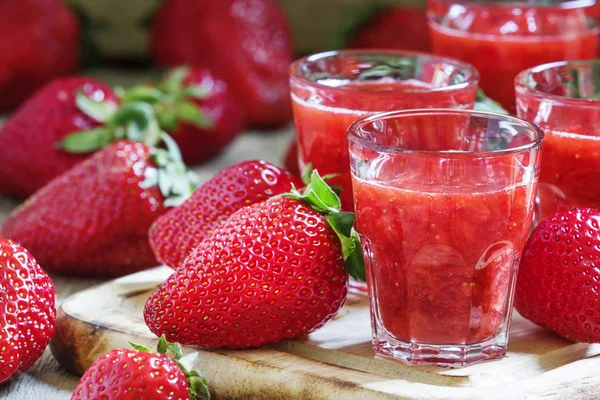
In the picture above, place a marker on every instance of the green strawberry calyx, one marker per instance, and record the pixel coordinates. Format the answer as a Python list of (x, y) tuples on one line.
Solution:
[(136, 121), (323, 199), (173, 100), (197, 385), (484, 103)]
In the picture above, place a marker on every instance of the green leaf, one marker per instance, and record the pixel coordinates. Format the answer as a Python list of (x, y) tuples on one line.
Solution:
[(150, 178), (167, 117), (198, 388), (484, 103), (146, 94), (176, 349), (341, 222), (355, 261), (198, 92), (192, 113), (308, 170), (188, 361), (162, 345), (173, 84), (86, 141), (100, 111), (141, 348), (324, 192)]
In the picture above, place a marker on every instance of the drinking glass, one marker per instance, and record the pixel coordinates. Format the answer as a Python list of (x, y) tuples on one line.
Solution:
[(444, 202)]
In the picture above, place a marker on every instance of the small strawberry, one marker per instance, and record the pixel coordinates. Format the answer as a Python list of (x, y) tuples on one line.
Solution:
[(290, 159), (248, 42), (93, 220), (39, 41), (27, 310), (30, 155), (196, 108), (124, 374), (558, 282), (174, 235), (274, 271)]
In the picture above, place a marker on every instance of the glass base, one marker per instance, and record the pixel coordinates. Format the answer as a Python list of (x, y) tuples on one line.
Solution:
[(358, 287), (442, 355)]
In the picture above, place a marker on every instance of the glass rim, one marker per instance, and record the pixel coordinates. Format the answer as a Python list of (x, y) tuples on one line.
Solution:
[(523, 4), (472, 79), (522, 85), (353, 136)]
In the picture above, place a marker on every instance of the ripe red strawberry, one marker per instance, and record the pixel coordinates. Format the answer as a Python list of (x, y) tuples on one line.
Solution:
[(39, 40), (398, 27), (124, 374), (290, 159), (209, 116), (27, 310), (174, 235), (247, 42), (29, 155), (93, 220), (558, 283), (275, 270)]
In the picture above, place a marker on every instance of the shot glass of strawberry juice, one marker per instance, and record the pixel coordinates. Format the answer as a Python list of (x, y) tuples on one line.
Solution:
[(502, 38), (333, 89), (444, 201), (564, 100)]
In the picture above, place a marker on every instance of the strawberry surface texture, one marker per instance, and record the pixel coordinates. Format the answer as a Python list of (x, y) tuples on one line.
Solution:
[(558, 285)]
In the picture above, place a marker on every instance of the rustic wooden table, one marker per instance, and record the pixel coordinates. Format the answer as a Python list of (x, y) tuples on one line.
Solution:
[(47, 380)]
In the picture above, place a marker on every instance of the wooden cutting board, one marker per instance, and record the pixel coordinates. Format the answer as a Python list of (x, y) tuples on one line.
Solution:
[(336, 362)]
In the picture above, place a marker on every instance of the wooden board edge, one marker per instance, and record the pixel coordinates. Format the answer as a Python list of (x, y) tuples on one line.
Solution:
[(77, 344)]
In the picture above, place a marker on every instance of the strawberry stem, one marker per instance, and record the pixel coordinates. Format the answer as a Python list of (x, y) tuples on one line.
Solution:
[(323, 199), (197, 385)]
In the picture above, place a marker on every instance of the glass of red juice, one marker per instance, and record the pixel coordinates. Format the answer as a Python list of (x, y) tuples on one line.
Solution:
[(564, 100), (333, 89), (501, 38), (444, 202)]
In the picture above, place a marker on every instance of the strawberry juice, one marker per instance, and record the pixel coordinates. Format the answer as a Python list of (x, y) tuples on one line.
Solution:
[(444, 201), (564, 100), (502, 38), (331, 90)]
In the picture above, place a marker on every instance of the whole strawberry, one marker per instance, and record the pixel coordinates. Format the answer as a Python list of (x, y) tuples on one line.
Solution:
[(174, 235), (93, 220), (27, 310), (30, 154), (557, 285), (274, 271), (402, 27), (198, 110), (247, 42), (124, 374), (39, 41)]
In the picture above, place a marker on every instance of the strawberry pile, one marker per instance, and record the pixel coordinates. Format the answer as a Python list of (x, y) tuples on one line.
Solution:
[(274, 270)]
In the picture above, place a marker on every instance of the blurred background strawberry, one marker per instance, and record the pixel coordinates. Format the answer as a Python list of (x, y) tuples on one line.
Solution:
[(39, 40)]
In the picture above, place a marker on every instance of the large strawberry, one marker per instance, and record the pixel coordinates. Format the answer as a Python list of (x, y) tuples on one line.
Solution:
[(557, 285), (247, 42), (197, 109), (174, 235), (30, 155), (275, 270), (94, 219), (125, 374), (39, 40), (27, 310)]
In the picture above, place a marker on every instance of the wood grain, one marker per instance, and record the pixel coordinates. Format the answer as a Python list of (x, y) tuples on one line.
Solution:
[(338, 358)]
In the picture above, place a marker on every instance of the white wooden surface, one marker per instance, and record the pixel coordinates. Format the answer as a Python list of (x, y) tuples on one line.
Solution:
[(47, 380)]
